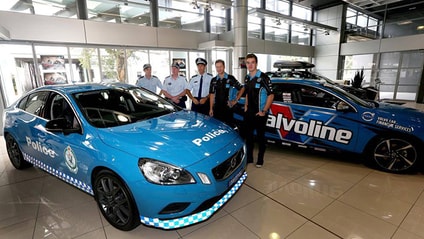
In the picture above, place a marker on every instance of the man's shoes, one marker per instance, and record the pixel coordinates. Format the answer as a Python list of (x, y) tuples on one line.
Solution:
[(259, 165)]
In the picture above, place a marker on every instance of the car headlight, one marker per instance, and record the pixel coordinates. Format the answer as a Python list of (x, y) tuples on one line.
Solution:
[(162, 173)]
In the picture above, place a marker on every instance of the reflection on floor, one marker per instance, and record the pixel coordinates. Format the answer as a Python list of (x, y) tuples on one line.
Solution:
[(296, 194)]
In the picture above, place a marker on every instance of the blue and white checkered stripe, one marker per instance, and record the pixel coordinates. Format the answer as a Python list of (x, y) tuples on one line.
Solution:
[(195, 218), (69, 179)]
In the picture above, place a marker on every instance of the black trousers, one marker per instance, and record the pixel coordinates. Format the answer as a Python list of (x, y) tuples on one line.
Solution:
[(224, 114), (201, 108), (255, 123)]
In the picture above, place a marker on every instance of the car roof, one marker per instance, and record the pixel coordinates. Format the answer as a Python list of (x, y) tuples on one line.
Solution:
[(82, 87)]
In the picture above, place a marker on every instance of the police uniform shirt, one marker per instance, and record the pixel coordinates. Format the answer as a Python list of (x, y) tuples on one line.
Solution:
[(194, 84), (150, 84), (257, 89), (224, 89), (174, 86)]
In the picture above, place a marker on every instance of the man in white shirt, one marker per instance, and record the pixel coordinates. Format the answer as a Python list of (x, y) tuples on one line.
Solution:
[(149, 81), (174, 87), (198, 88)]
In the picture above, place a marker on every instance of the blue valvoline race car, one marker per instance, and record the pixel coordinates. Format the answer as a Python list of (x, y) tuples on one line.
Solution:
[(143, 158), (316, 113)]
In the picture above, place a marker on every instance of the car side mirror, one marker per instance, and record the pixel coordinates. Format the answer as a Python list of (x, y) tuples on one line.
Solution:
[(342, 106), (60, 125)]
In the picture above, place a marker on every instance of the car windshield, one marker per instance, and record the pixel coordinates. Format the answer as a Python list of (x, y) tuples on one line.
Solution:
[(114, 107)]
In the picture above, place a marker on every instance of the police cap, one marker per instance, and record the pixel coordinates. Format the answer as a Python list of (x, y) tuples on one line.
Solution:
[(201, 61), (145, 66)]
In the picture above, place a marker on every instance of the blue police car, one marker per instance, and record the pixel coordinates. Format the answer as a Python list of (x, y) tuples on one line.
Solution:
[(141, 157), (313, 112)]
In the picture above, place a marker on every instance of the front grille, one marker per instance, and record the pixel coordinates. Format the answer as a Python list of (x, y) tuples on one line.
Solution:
[(225, 169)]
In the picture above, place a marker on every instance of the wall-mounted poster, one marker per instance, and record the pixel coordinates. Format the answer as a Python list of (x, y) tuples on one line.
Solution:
[(55, 78), (181, 62), (242, 62), (55, 63)]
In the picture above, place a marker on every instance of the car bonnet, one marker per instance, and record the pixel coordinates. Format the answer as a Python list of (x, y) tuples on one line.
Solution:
[(181, 138)]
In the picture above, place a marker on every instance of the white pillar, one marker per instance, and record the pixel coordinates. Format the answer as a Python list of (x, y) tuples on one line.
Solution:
[(240, 37)]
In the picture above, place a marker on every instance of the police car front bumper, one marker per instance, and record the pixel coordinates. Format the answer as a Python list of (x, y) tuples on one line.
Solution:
[(196, 217)]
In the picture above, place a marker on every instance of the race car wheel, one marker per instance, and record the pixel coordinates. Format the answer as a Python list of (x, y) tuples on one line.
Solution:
[(15, 154), (395, 155), (115, 201)]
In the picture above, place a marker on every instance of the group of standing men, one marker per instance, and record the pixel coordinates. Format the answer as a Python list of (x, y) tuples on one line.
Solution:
[(215, 96)]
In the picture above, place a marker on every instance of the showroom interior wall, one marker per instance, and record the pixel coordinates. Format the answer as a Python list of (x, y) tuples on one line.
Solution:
[(327, 47)]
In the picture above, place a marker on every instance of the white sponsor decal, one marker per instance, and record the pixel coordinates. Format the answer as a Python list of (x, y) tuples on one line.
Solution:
[(209, 136), (38, 146), (391, 123), (313, 128)]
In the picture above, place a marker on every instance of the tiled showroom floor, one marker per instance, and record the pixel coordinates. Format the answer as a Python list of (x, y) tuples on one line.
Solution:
[(295, 195)]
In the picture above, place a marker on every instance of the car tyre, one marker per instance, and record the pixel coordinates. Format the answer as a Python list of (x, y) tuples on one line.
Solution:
[(15, 154), (115, 201), (395, 155)]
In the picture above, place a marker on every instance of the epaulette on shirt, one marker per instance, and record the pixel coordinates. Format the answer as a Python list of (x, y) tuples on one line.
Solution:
[(209, 74), (193, 76), (153, 76)]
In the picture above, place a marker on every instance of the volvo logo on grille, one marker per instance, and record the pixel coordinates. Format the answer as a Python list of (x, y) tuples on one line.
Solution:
[(233, 162)]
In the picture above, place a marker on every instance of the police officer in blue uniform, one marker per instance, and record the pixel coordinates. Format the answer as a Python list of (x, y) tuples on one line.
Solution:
[(149, 81), (224, 93), (198, 88), (174, 87), (259, 97)]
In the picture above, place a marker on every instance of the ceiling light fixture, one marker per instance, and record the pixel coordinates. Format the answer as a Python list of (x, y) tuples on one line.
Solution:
[(208, 7), (195, 4), (278, 22)]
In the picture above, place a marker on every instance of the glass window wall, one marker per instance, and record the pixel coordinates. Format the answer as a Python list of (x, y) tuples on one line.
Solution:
[(361, 26), (134, 11), (69, 65), (302, 12), (58, 8), (135, 65), (85, 65), (400, 75), (300, 35), (276, 30), (218, 20), (17, 71), (161, 63), (355, 63), (280, 6), (254, 27), (181, 15), (53, 64)]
